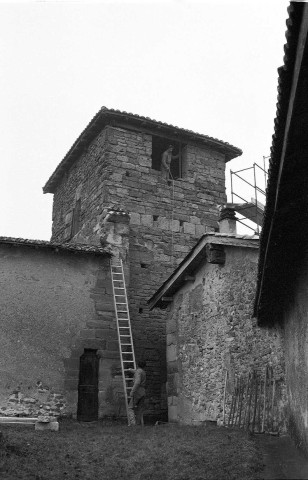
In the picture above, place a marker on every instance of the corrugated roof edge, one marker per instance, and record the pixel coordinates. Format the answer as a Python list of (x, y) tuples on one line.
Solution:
[(73, 247), (227, 239), (96, 124), (285, 73)]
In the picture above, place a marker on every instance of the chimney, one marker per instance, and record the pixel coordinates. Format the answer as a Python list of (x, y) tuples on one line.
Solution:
[(227, 220)]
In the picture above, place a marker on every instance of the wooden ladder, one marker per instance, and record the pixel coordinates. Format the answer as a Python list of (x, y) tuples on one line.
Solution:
[(125, 337)]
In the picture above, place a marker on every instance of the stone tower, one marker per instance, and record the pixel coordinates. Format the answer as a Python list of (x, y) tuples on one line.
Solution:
[(116, 161)]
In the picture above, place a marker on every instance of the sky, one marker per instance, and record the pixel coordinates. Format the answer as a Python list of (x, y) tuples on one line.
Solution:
[(210, 67)]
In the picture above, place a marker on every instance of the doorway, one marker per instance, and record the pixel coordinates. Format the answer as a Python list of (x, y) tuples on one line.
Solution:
[(87, 409)]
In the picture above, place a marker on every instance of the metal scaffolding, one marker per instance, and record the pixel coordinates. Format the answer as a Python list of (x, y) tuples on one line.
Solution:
[(252, 209)]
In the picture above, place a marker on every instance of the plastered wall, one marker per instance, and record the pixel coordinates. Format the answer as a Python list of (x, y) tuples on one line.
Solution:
[(53, 305)]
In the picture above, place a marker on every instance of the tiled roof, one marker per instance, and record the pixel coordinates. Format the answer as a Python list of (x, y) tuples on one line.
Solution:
[(105, 116), (192, 261), (72, 247), (296, 12), (233, 235)]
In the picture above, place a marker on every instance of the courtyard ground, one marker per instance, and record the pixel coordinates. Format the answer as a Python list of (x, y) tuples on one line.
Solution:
[(113, 452), (281, 459)]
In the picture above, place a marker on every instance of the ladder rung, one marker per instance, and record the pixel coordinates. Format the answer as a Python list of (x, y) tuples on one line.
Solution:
[(124, 335), (120, 303), (129, 361)]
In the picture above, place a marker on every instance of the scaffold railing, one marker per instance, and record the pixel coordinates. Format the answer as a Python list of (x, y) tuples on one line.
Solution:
[(252, 209)]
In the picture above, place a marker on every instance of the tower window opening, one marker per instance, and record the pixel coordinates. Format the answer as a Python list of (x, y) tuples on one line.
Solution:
[(159, 146)]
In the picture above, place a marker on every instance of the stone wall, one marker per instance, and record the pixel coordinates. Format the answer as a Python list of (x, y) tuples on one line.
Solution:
[(53, 306), (210, 330), (166, 220), (296, 359)]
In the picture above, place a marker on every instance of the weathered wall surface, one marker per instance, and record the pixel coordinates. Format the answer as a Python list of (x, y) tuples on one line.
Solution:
[(53, 306), (209, 331), (296, 360), (166, 221)]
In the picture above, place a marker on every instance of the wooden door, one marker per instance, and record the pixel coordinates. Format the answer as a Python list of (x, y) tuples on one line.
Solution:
[(87, 410)]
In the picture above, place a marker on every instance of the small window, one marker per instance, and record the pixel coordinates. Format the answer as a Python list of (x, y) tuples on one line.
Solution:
[(76, 218), (159, 146)]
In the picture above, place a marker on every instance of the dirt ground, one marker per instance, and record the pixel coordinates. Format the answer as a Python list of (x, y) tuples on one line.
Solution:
[(113, 452), (281, 459)]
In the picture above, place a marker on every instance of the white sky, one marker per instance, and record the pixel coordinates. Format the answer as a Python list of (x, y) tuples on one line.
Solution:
[(207, 66)]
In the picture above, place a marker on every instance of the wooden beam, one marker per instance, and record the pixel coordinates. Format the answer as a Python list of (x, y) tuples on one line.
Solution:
[(20, 420)]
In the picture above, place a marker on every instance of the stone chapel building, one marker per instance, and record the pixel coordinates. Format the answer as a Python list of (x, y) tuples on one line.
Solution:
[(116, 161)]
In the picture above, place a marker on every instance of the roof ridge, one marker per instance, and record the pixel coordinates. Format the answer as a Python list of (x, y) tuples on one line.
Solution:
[(77, 247), (97, 123)]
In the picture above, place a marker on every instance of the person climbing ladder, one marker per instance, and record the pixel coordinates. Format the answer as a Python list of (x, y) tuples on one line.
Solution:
[(137, 394)]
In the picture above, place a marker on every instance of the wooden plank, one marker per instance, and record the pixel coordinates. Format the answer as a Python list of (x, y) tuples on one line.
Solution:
[(21, 420), (242, 388), (224, 400), (264, 400), (255, 401), (249, 399)]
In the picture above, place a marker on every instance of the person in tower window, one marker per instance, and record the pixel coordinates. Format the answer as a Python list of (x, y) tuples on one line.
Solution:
[(166, 159)]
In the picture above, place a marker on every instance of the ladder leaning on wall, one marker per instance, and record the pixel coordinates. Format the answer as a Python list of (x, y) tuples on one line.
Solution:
[(125, 337)]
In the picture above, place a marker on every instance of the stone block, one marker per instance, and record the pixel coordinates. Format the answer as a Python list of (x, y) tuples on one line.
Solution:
[(172, 367), (41, 425), (145, 161), (87, 333), (147, 220), (175, 225), (173, 400), (163, 223), (106, 334), (110, 355), (200, 230), (189, 228), (173, 413), (112, 346), (195, 220), (135, 218), (171, 339), (171, 353)]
